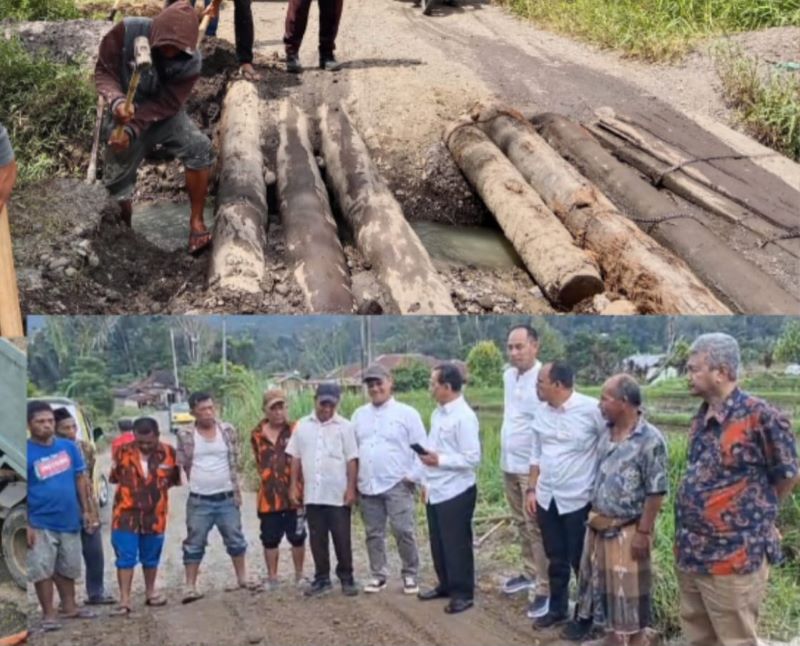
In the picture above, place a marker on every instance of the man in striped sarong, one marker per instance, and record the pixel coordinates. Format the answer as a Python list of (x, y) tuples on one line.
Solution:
[(615, 574)]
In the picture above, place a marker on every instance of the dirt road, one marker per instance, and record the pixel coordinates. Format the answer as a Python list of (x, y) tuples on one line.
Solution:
[(284, 616)]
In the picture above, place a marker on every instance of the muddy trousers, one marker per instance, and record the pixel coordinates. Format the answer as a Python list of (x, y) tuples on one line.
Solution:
[(330, 13), (563, 536), (92, 547), (324, 520), (721, 610), (450, 529), (534, 559)]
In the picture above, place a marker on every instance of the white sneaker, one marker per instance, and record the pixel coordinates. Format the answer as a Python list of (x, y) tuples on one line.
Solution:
[(375, 585), (410, 585)]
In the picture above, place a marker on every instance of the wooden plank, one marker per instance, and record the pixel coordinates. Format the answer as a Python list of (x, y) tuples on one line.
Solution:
[(10, 314)]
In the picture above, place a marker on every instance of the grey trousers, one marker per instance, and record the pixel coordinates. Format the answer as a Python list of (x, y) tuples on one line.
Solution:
[(396, 504)]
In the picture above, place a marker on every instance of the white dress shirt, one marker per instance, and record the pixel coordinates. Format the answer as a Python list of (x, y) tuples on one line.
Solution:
[(565, 449), (324, 449), (521, 403), (454, 438), (384, 435)]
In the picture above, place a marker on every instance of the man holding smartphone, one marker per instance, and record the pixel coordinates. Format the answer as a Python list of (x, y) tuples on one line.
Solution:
[(452, 456), (387, 477)]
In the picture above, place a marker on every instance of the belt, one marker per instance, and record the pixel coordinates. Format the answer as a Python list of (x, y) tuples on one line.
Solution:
[(213, 497)]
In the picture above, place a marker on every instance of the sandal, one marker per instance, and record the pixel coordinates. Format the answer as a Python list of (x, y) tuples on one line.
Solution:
[(251, 586), (191, 595), (106, 600), (156, 600), (51, 625), (199, 241), (82, 613), (121, 611), (250, 75)]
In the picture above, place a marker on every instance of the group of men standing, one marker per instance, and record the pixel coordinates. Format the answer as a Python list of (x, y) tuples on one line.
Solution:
[(584, 479)]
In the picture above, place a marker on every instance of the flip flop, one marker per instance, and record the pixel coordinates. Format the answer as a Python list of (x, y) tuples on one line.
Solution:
[(101, 601), (82, 613), (196, 248), (252, 586), (156, 601), (250, 76), (191, 595), (51, 625), (120, 611)]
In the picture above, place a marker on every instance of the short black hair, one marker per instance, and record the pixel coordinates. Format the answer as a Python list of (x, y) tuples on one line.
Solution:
[(533, 335), (60, 414), (450, 374), (125, 424), (199, 396), (562, 373), (145, 426), (38, 406)]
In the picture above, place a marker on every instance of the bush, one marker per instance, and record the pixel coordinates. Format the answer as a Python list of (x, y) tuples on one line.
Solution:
[(46, 107), (485, 364), (38, 9), (413, 375)]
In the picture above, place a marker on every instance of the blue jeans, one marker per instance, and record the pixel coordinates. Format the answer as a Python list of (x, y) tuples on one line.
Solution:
[(95, 563), (212, 26), (201, 516)]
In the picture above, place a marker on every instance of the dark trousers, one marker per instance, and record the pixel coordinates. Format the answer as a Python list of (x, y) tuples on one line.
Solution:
[(92, 545), (562, 535), (330, 13), (324, 520), (243, 30), (450, 529)]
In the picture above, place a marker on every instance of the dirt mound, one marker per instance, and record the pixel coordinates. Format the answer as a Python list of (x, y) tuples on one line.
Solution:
[(68, 41)]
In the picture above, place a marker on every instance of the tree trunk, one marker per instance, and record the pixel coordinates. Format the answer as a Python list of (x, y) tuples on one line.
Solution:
[(564, 271), (389, 244), (237, 259), (742, 283), (311, 236), (633, 264)]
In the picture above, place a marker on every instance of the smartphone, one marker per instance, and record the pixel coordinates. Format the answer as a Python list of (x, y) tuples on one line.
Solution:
[(417, 448)]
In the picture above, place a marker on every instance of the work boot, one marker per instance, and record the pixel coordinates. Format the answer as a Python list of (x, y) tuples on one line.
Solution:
[(329, 63), (293, 64)]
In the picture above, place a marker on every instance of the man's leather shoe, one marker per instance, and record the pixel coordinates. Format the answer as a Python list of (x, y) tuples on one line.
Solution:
[(433, 593), (458, 605), (549, 620)]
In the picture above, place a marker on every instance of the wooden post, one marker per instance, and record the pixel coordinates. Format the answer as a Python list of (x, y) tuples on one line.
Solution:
[(10, 313)]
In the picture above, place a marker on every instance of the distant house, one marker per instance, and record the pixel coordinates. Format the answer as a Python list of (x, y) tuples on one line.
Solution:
[(645, 367), (352, 372), (792, 370), (290, 382), (156, 390)]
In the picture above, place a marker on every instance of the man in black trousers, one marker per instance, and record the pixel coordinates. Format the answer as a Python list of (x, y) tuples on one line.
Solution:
[(451, 459), (330, 13)]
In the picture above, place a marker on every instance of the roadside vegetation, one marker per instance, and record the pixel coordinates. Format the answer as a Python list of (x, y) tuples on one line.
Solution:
[(655, 29)]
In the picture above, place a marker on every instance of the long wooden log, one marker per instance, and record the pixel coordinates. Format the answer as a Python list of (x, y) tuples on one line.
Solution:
[(310, 230), (742, 284), (237, 259), (633, 263), (382, 233), (564, 271), (10, 313)]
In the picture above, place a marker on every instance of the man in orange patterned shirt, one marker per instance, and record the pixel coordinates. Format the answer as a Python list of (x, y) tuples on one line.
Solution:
[(279, 517), (143, 471), (742, 463)]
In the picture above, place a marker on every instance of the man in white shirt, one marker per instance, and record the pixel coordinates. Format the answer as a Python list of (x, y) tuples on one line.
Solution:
[(452, 455), (325, 454), (388, 473), (563, 464), (516, 437), (208, 453)]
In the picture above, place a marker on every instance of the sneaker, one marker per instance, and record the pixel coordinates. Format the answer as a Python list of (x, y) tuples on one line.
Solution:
[(375, 585), (329, 63), (301, 581), (517, 584), (549, 620), (577, 630), (539, 607), (318, 587), (272, 584), (349, 588), (410, 585), (293, 64)]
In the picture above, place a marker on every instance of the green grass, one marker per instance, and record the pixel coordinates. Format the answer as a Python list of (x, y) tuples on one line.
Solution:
[(654, 29), (48, 109), (766, 102), (38, 9)]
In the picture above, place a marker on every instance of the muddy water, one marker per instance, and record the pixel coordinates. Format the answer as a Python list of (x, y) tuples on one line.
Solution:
[(166, 225)]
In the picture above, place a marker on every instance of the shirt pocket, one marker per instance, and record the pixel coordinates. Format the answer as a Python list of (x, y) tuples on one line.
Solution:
[(332, 447)]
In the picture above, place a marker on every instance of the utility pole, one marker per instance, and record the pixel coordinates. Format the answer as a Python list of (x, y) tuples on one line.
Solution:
[(224, 350), (174, 359)]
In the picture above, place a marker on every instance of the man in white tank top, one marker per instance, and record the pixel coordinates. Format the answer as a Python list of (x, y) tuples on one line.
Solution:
[(208, 453)]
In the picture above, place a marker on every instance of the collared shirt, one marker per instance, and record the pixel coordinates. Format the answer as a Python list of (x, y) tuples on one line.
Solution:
[(564, 447), (726, 504), (629, 471), (384, 435), (455, 439), (186, 446), (141, 501), (274, 467), (324, 449), (520, 405)]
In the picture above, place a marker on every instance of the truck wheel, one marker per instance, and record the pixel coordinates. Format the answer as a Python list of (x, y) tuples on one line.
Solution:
[(15, 545), (102, 491)]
